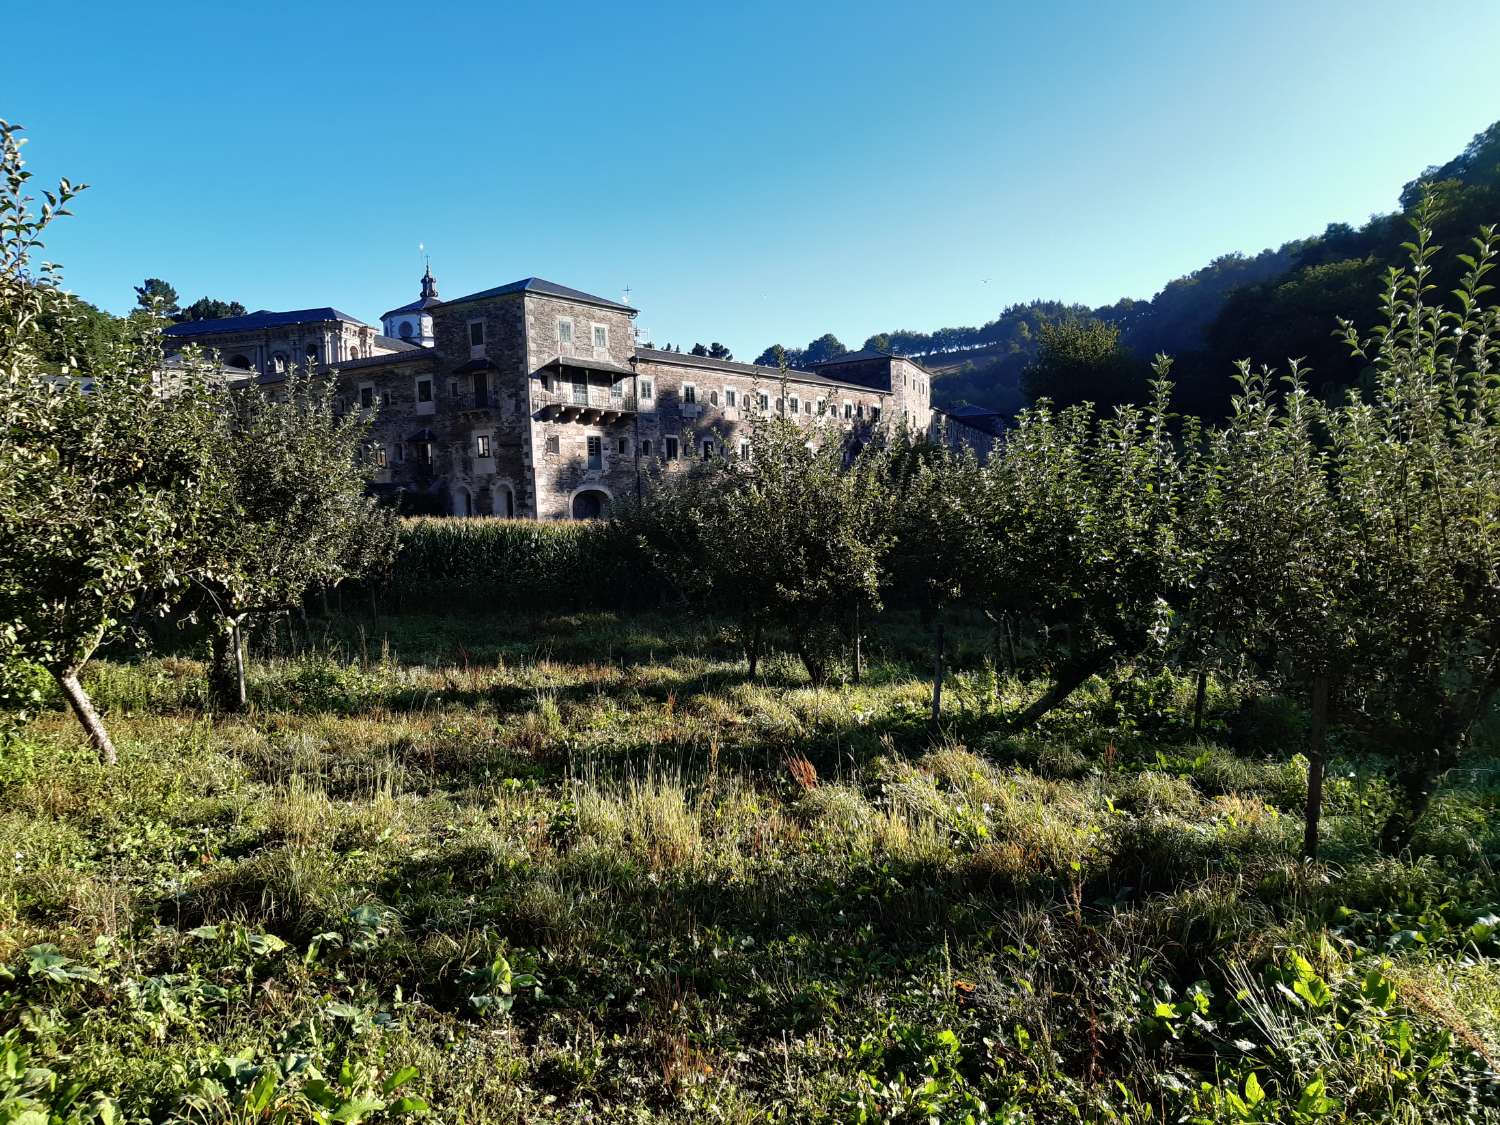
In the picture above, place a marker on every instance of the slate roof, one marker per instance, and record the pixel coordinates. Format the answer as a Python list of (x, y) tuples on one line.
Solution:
[(261, 318), (866, 354), (414, 355), (391, 343), (990, 422), (546, 289), (414, 306), (589, 365), (752, 370)]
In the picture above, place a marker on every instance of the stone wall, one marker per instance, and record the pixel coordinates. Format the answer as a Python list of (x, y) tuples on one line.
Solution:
[(712, 417), (560, 437), (260, 348)]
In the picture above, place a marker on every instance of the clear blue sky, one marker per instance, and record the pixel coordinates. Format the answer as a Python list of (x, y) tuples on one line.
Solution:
[(754, 172)]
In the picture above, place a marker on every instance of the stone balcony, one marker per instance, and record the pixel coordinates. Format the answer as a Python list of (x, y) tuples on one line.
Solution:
[(579, 403)]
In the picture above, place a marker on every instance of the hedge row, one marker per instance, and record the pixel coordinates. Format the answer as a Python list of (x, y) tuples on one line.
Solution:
[(487, 564)]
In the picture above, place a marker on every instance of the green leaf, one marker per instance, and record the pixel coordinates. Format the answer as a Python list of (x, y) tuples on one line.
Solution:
[(357, 1109), (258, 1097), (1254, 1095), (400, 1078)]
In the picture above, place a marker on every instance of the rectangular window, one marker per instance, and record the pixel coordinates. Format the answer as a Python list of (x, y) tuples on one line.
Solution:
[(424, 451), (646, 389), (859, 410), (624, 447), (763, 402), (848, 410), (744, 451), (453, 388), (601, 336), (689, 393), (564, 331), (400, 454), (424, 390), (780, 405), (554, 444), (366, 398), (380, 456), (875, 413), (807, 407), (708, 449), (729, 396), (476, 333), (482, 445), (671, 449), (796, 405), (645, 447), (596, 453)]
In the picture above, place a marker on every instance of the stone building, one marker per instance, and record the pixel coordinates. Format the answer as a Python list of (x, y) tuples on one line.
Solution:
[(972, 428), (270, 344), (534, 400)]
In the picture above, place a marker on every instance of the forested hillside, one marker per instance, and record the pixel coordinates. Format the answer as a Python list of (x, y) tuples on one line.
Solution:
[(1268, 307)]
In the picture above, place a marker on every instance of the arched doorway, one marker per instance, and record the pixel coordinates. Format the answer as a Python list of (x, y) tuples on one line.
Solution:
[(590, 504), (463, 503)]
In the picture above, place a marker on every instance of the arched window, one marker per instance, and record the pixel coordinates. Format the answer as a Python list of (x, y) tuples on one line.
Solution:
[(279, 362), (314, 353), (240, 361)]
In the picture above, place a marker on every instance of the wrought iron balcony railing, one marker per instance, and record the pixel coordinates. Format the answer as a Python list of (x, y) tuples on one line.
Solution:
[(573, 398)]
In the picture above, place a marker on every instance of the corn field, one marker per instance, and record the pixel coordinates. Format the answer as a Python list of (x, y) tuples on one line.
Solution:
[(487, 564)]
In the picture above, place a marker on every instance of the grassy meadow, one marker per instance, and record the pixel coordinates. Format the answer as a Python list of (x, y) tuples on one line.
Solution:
[(581, 868)]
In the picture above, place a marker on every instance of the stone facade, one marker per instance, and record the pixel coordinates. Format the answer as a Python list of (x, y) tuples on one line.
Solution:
[(535, 401), (270, 344), (969, 429)]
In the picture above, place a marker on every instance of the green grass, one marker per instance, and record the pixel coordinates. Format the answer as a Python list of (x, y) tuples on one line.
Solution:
[(580, 868)]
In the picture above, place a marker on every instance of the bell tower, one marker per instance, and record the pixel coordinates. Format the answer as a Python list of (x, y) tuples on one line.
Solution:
[(413, 322)]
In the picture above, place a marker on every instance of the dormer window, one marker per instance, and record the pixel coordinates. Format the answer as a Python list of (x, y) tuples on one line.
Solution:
[(406, 330)]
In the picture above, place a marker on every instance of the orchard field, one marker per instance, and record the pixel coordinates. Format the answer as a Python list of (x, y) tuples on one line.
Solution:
[(586, 868)]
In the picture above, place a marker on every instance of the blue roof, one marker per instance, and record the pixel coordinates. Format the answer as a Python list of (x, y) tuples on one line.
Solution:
[(419, 303), (261, 318), (863, 355), (546, 289)]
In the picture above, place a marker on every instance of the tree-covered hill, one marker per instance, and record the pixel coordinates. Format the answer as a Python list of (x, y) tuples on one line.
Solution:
[(1269, 307)]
